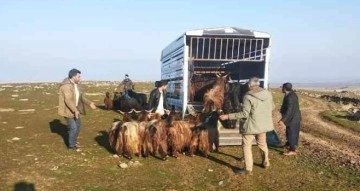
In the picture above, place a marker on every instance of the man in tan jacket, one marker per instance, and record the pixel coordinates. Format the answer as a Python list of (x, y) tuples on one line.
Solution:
[(71, 105), (257, 116)]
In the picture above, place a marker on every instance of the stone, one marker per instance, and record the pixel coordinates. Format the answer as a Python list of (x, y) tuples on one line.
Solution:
[(15, 138), (123, 165)]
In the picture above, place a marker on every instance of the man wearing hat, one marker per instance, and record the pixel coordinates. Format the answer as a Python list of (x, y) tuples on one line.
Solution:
[(290, 118), (158, 100)]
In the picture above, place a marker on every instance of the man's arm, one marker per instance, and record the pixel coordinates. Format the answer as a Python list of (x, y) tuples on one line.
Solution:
[(243, 114), (132, 85), (151, 97), (69, 102), (289, 109), (245, 111), (88, 102)]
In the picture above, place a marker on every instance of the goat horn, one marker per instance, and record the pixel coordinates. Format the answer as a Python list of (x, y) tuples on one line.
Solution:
[(136, 111), (121, 112)]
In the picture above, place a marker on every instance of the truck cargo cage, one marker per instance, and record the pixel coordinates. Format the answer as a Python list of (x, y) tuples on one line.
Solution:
[(227, 49)]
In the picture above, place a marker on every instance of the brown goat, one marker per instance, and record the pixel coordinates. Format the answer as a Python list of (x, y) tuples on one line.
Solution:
[(144, 118), (108, 101), (215, 94), (179, 136), (156, 138), (116, 138), (131, 138), (122, 137), (199, 141)]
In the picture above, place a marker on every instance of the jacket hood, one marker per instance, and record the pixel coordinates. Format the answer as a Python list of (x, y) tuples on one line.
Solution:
[(260, 94)]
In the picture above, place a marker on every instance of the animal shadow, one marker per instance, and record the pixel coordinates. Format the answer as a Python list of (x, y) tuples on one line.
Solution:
[(234, 157), (24, 186), (103, 140), (233, 168), (59, 128)]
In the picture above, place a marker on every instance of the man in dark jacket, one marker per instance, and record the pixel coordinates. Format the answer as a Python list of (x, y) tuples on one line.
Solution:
[(158, 100), (291, 118)]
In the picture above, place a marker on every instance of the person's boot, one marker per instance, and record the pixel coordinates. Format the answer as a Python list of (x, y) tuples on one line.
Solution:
[(290, 153), (243, 172), (265, 165)]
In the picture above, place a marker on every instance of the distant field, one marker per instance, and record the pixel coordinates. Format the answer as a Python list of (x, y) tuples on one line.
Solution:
[(33, 153), (341, 118)]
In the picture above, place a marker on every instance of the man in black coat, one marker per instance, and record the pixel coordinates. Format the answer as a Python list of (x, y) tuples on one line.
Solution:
[(291, 118), (158, 99)]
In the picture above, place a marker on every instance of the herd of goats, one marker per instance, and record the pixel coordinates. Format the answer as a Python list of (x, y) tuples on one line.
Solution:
[(351, 104), (143, 133), (150, 134)]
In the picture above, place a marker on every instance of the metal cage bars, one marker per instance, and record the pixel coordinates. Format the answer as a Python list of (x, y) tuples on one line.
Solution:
[(226, 49)]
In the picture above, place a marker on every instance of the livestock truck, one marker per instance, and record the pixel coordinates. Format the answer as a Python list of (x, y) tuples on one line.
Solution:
[(198, 56)]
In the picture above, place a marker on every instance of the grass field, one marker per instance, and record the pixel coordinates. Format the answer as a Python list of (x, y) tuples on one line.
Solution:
[(33, 154), (342, 118)]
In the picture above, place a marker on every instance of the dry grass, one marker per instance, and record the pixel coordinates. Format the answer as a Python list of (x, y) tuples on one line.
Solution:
[(40, 158)]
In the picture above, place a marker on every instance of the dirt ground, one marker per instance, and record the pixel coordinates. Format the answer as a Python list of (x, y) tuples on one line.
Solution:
[(326, 141), (33, 153)]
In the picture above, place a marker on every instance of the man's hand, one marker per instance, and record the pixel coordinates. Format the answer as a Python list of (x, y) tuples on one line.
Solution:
[(92, 105), (77, 114), (224, 117)]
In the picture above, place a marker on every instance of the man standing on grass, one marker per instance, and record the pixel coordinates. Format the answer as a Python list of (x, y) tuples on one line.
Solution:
[(290, 118), (71, 105), (257, 114)]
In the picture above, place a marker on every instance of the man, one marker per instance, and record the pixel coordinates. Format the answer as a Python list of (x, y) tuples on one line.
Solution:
[(257, 113), (158, 100), (290, 118), (126, 85), (71, 105)]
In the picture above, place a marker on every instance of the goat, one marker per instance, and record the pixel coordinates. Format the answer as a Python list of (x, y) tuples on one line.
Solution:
[(215, 94)]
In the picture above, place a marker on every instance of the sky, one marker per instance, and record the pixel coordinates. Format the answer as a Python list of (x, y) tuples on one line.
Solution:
[(312, 41)]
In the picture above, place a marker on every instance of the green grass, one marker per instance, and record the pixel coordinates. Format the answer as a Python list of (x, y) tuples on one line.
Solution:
[(41, 149), (341, 118)]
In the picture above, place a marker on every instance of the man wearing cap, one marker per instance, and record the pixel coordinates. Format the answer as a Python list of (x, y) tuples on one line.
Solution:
[(257, 114), (290, 118), (127, 85), (158, 100)]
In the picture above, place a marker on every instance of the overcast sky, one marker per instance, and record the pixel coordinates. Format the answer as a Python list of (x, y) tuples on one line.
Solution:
[(42, 40)]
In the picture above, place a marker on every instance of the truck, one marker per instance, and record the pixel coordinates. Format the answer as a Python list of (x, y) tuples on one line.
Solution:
[(197, 55)]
